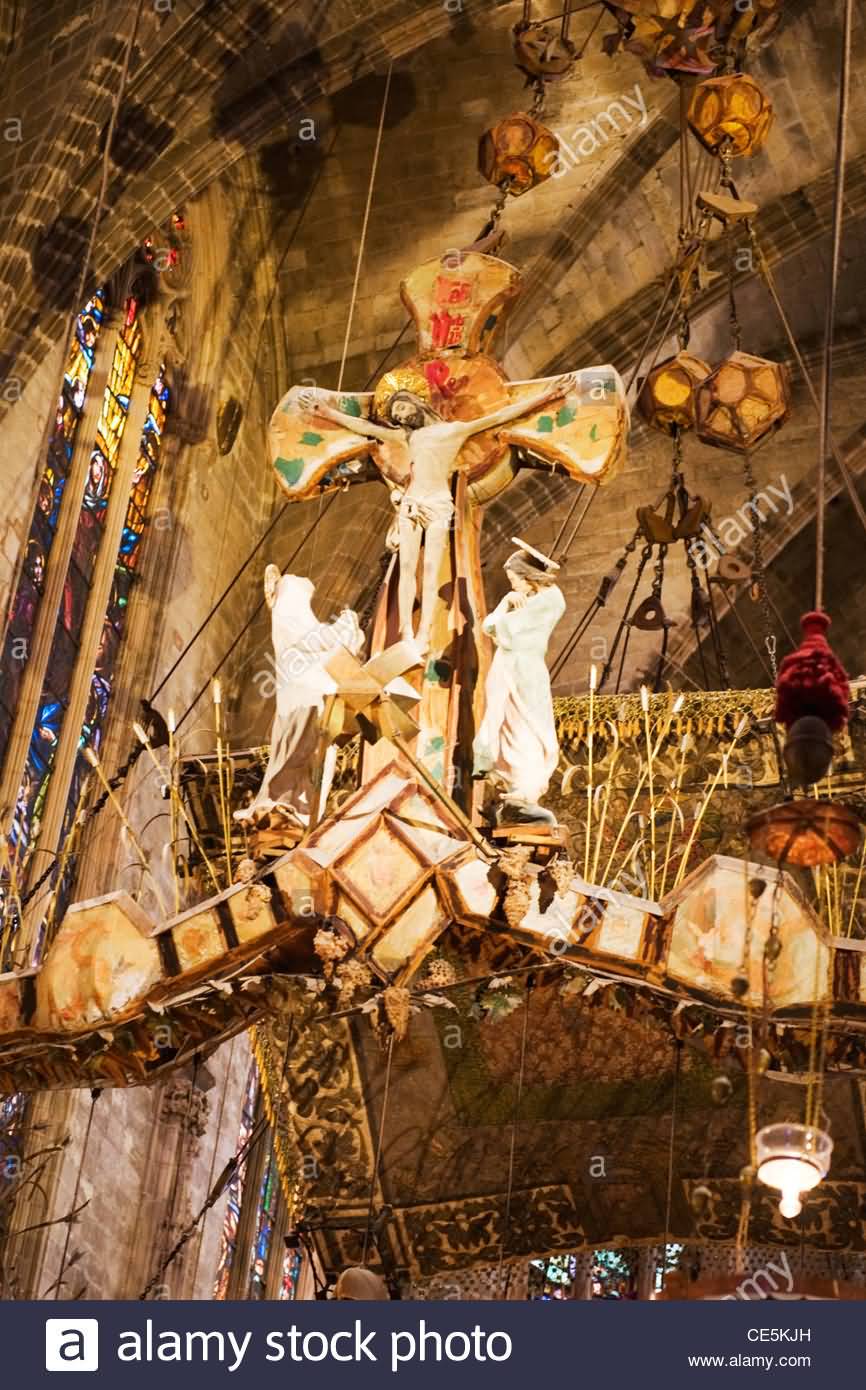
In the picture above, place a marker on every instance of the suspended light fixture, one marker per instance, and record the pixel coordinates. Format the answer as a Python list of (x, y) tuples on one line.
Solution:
[(793, 1158)]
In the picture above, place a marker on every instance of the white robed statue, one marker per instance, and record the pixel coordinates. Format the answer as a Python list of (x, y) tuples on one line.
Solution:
[(302, 646), (516, 746)]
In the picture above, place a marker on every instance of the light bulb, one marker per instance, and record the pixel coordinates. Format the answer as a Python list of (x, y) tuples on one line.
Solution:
[(792, 1175), (790, 1205)]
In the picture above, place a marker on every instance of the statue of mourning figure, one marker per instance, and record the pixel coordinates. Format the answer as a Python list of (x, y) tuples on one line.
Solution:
[(302, 647), (516, 747)]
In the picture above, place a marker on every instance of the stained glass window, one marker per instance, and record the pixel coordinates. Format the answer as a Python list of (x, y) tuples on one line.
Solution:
[(291, 1274), (76, 589), (228, 1244), (262, 1260), (264, 1228), (28, 596), (613, 1273), (674, 1251), (115, 615)]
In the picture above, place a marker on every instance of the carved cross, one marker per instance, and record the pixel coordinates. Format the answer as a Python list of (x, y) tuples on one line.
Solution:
[(577, 425)]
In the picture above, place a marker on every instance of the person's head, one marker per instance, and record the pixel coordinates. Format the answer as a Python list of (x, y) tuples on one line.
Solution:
[(409, 411), (360, 1285), (525, 576)]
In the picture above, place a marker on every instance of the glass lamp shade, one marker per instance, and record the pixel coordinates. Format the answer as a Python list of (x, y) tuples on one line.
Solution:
[(793, 1158), (667, 397), (742, 402), (518, 153), (731, 112)]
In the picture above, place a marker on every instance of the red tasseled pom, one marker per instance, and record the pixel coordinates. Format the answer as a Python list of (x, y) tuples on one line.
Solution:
[(811, 679)]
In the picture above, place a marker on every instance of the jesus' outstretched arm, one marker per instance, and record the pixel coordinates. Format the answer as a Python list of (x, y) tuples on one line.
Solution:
[(313, 400)]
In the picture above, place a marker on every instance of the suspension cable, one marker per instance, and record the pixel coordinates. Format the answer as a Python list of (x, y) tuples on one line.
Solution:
[(506, 1222), (833, 281), (379, 1143)]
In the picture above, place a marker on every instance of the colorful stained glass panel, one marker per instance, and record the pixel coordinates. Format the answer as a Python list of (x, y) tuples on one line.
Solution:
[(228, 1244), (25, 604), (76, 590)]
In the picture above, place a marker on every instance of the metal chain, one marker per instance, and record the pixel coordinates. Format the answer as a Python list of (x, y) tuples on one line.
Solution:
[(539, 93), (733, 320), (760, 582), (659, 568)]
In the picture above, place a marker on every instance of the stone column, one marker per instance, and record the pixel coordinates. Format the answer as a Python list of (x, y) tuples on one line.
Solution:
[(277, 1250), (165, 1208), (647, 1264), (584, 1260)]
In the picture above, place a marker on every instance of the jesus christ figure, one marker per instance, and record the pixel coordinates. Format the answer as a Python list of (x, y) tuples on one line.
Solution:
[(427, 452)]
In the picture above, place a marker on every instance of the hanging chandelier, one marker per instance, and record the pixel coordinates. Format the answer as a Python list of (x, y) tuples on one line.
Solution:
[(792, 1158)]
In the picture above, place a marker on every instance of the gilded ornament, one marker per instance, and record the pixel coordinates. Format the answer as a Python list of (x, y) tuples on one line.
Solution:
[(440, 974), (330, 948), (406, 378), (514, 863), (562, 872), (398, 1007), (352, 975)]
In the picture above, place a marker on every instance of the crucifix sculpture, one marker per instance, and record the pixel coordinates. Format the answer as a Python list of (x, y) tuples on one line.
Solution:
[(447, 432)]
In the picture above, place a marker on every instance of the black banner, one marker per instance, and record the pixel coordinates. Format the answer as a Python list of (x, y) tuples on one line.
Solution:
[(418, 1344)]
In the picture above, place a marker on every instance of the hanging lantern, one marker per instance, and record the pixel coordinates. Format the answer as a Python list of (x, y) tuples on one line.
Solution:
[(742, 402), (730, 113), (808, 750), (805, 832), (812, 679), (792, 1158), (518, 153), (812, 704), (811, 701), (667, 397)]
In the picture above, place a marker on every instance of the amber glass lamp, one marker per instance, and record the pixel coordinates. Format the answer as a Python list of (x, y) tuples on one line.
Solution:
[(730, 114), (667, 397), (517, 153), (742, 402)]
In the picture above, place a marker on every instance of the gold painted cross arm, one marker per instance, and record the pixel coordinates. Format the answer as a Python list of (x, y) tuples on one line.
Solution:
[(583, 431), (323, 440)]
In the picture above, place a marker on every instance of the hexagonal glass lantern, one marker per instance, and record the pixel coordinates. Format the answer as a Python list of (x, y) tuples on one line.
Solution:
[(742, 402), (667, 397), (517, 153), (730, 112)]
